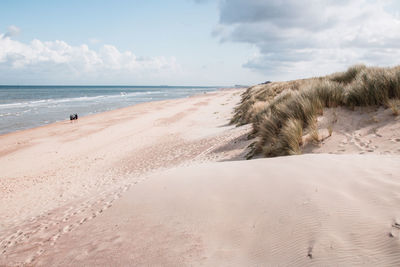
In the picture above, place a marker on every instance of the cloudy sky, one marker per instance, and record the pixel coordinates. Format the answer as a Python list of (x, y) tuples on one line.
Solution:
[(192, 42)]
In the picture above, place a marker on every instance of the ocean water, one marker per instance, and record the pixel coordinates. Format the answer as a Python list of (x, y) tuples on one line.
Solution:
[(23, 107)]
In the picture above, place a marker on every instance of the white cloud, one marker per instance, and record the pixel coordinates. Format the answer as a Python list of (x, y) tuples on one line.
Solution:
[(59, 62), (311, 37), (12, 31)]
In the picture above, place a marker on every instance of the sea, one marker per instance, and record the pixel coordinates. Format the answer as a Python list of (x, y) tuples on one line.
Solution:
[(24, 107)]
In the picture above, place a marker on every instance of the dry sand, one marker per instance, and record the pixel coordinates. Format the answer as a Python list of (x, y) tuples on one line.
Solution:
[(147, 185), (282, 211), (55, 178), (366, 130)]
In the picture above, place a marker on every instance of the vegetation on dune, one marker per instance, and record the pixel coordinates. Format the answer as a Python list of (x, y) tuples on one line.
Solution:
[(260, 93), (281, 112), (394, 105), (349, 75)]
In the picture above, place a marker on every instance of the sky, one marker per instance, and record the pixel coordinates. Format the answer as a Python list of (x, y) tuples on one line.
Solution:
[(192, 42)]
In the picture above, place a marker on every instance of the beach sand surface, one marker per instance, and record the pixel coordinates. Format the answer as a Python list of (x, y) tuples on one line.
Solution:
[(310, 210), (55, 178), (166, 183)]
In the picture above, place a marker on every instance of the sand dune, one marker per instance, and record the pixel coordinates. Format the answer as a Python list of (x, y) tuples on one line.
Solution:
[(367, 130), (322, 210)]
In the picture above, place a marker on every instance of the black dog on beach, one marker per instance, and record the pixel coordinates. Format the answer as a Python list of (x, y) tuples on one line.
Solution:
[(73, 117)]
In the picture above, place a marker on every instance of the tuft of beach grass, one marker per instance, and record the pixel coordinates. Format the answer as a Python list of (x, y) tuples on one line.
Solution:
[(280, 112)]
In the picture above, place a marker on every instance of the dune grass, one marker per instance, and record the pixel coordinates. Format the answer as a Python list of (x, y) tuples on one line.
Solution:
[(281, 112), (349, 75), (394, 105)]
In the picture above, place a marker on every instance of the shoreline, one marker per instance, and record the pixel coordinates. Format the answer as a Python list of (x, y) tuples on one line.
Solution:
[(66, 120)]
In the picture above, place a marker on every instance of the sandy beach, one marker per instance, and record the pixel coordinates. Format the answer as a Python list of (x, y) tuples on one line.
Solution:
[(166, 183), (56, 177), (200, 133)]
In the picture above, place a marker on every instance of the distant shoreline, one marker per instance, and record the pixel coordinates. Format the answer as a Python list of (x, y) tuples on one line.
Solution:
[(6, 123), (114, 86)]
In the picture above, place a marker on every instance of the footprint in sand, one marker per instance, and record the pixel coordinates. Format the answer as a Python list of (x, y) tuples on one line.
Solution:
[(67, 228), (394, 232), (52, 225), (54, 239), (309, 252)]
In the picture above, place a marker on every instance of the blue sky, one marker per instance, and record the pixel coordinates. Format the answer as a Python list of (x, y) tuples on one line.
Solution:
[(178, 29), (189, 42)]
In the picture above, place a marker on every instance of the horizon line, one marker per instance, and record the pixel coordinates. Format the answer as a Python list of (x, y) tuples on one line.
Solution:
[(124, 85)]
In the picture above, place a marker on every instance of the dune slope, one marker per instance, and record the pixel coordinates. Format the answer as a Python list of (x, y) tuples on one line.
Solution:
[(301, 210)]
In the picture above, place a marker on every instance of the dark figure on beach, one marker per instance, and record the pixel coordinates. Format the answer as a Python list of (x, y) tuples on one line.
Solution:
[(73, 117)]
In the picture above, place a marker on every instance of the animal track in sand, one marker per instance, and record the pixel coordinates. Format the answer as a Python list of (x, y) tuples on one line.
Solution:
[(364, 145)]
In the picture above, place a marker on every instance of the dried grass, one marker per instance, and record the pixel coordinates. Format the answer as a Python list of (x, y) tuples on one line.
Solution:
[(281, 111), (394, 105)]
